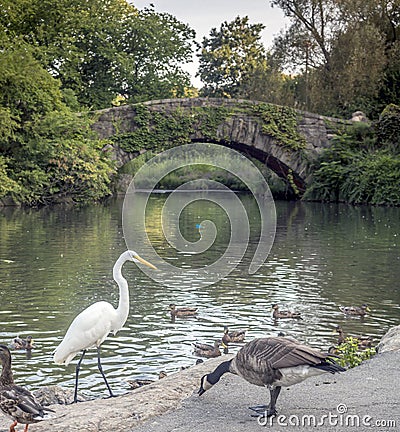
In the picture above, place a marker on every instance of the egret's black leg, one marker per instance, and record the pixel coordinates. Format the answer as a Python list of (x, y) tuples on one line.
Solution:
[(102, 373), (78, 366), (267, 410)]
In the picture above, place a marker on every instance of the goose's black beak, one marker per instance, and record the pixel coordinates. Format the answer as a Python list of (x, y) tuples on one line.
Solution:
[(201, 391)]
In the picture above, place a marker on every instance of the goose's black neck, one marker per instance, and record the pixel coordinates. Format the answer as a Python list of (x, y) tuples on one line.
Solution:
[(215, 376)]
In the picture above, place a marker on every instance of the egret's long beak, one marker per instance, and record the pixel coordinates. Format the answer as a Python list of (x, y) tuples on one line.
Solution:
[(143, 261)]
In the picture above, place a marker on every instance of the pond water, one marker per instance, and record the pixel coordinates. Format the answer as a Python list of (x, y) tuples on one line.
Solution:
[(56, 261)]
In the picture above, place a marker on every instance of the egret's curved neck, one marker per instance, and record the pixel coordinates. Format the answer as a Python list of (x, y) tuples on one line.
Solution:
[(123, 305)]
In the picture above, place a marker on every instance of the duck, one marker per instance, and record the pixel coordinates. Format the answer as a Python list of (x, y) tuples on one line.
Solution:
[(355, 310), (333, 351), (362, 341), (22, 344), (287, 336), (276, 313), (17, 402), (233, 336), (182, 311), (272, 362), (341, 337), (206, 350), (137, 383)]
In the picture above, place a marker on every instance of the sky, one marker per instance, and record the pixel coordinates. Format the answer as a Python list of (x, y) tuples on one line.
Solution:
[(203, 15)]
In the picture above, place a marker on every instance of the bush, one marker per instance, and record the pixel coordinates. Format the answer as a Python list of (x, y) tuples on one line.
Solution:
[(350, 355), (357, 171), (389, 127)]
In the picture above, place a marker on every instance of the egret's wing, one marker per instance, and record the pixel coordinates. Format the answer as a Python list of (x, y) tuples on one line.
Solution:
[(89, 328)]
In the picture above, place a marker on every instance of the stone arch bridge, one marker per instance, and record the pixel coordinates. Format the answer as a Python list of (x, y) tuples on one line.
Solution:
[(286, 140)]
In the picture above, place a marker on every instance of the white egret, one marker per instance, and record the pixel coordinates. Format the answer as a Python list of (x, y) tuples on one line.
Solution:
[(91, 327)]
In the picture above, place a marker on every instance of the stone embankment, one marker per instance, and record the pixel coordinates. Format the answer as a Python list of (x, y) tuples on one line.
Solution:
[(363, 399)]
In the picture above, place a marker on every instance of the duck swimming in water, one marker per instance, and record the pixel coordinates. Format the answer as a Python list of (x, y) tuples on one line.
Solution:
[(233, 336), (276, 313), (182, 311), (355, 310), (22, 344), (206, 350)]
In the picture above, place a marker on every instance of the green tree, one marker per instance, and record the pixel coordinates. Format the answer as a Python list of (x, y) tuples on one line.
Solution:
[(355, 75), (154, 47), (346, 53), (230, 56), (101, 50), (47, 153)]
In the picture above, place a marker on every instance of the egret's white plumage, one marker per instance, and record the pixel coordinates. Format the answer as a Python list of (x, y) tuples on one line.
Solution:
[(91, 327), (87, 330)]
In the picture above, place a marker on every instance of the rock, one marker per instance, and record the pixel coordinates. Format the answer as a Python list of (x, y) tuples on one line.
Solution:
[(390, 341), (359, 116), (122, 183), (123, 413)]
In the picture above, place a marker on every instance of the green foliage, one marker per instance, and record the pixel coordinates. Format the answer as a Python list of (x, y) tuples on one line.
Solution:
[(27, 90), (281, 123), (60, 161), (345, 54), (155, 131), (160, 131), (350, 355), (7, 185), (99, 50), (230, 56), (357, 171), (389, 127), (278, 187)]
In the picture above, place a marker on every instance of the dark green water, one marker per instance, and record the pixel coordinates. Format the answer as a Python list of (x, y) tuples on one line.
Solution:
[(55, 262)]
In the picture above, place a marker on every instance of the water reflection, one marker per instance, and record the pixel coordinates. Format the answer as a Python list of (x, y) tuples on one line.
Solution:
[(55, 262)]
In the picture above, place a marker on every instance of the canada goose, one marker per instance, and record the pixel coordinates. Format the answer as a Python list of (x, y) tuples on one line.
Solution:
[(276, 313), (182, 311), (273, 362), (233, 336), (22, 344), (206, 350), (17, 402), (355, 310)]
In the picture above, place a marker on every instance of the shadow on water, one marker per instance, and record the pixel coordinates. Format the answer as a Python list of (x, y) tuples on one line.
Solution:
[(55, 262)]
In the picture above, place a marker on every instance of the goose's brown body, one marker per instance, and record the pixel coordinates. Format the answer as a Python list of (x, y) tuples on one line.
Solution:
[(274, 362)]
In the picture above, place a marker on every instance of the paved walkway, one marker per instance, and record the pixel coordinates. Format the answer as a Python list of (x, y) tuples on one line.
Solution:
[(366, 398)]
